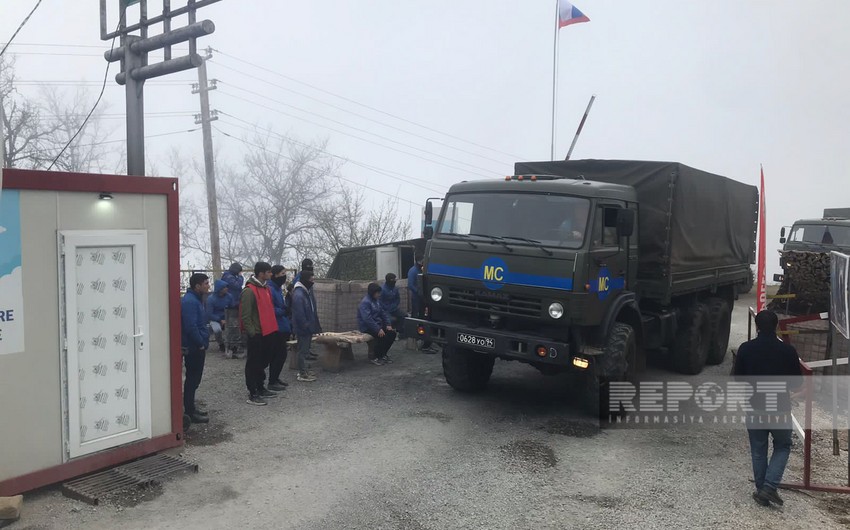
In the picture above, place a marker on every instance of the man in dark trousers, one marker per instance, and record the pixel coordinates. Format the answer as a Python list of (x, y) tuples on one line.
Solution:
[(372, 319), (391, 303), (767, 356), (195, 341), (416, 302), (233, 336), (284, 329), (305, 323), (256, 310)]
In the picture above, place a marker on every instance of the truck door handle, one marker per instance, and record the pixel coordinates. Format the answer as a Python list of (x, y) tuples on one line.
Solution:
[(139, 334)]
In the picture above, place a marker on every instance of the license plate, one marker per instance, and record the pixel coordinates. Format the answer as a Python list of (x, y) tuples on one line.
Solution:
[(474, 340)]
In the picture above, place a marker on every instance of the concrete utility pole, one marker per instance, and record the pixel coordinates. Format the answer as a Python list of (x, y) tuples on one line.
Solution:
[(205, 118), (2, 141)]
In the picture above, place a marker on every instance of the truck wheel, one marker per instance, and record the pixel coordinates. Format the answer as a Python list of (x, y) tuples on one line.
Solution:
[(619, 363), (690, 348), (466, 370), (720, 320)]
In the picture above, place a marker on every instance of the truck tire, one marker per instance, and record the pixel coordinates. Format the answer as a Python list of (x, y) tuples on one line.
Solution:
[(619, 363), (690, 348), (466, 370), (720, 321), (748, 284)]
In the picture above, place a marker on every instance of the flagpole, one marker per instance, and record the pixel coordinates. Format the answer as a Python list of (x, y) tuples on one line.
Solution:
[(554, 78)]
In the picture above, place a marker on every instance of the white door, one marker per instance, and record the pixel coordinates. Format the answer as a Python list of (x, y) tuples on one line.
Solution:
[(104, 279), (387, 258)]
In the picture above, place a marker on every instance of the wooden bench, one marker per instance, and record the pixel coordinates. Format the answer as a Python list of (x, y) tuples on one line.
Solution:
[(333, 349)]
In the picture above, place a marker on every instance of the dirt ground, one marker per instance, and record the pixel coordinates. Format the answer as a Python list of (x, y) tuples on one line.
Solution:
[(394, 447)]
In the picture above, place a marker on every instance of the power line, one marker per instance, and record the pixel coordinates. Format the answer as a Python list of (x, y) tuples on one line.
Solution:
[(360, 184), (224, 92), (96, 103), (121, 140), (20, 27), (294, 80), (362, 116), (355, 128), (386, 172)]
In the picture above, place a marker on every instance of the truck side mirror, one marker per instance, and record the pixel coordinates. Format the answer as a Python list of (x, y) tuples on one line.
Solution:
[(782, 240), (428, 232), (625, 223), (782, 232), (429, 214)]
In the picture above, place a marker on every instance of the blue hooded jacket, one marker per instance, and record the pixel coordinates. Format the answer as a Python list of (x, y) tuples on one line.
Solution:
[(235, 282), (193, 320), (279, 302), (217, 302), (390, 298), (305, 317), (371, 317), (412, 276)]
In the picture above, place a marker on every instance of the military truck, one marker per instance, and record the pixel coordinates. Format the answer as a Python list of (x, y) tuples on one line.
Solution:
[(805, 261), (582, 267)]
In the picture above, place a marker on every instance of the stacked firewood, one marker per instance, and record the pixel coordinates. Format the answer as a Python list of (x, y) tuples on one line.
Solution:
[(807, 276)]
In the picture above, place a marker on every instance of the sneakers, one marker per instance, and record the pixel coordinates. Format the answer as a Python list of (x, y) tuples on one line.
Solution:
[(306, 377), (387, 359), (771, 495), (312, 357), (377, 362), (282, 383), (256, 400), (199, 418), (266, 393), (760, 499), (277, 387)]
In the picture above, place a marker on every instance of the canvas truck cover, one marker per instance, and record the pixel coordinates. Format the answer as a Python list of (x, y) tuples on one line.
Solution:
[(689, 219)]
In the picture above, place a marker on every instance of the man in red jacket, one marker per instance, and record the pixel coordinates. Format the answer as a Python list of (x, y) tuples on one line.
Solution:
[(256, 311)]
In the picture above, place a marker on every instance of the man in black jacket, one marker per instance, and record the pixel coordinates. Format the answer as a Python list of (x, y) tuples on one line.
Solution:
[(766, 355)]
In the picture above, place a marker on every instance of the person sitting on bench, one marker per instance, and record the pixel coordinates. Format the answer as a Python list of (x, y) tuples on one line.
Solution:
[(372, 319)]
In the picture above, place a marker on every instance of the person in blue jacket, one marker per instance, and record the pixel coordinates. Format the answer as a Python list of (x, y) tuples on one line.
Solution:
[(278, 360), (372, 319), (195, 340), (391, 303), (216, 307), (234, 280), (305, 322), (416, 302)]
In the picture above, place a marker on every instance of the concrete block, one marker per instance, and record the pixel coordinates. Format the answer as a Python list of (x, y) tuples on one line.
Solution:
[(10, 507)]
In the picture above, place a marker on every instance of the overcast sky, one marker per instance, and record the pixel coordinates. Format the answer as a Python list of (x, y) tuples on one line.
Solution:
[(721, 85)]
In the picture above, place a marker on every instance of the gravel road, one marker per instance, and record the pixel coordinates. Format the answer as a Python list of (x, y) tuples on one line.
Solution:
[(394, 447)]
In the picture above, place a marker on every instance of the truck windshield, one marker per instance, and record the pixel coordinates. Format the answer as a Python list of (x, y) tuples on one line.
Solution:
[(821, 235), (551, 220)]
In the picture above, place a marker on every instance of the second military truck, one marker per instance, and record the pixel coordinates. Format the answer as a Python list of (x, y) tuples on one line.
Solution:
[(582, 266)]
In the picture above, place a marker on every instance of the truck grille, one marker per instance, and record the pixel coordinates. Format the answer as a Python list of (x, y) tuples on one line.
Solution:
[(494, 302)]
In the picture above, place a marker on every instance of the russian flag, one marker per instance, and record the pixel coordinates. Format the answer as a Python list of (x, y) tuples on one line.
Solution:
[(569, 14)]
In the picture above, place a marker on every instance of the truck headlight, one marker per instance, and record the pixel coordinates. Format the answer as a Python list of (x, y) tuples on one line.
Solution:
[(556, 310), (436, 294)]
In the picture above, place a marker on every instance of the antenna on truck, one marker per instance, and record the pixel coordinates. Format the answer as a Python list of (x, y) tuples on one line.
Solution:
[(580, 126)]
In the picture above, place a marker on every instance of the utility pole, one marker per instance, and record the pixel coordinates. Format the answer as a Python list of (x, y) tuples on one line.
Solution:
[(133, 56), (205, 118), (2, 140)]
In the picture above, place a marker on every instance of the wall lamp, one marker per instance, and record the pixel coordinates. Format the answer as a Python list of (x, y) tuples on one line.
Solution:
[(105, 196)]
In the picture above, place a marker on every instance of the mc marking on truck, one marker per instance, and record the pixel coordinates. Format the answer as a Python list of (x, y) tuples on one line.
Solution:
[(493, 272)]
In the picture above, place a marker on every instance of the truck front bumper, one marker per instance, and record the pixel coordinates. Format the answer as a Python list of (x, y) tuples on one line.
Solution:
[(499, 343)]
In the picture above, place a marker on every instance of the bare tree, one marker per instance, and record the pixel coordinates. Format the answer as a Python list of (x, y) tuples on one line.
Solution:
[(25, 133), (86, 153), (345, 222)]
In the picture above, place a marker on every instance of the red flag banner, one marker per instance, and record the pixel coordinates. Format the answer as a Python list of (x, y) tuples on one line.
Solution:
[(761, 280)]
